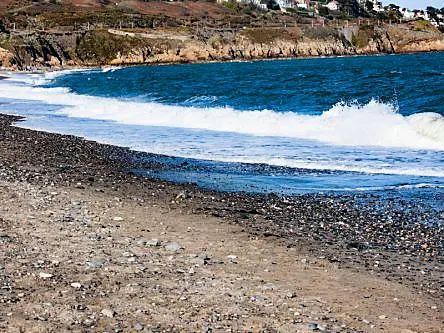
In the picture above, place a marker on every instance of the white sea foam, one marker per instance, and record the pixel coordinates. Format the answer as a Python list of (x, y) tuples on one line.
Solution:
[(373, 124)]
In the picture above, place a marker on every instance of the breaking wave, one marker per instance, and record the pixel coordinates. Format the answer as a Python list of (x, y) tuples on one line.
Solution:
[(372, 124)]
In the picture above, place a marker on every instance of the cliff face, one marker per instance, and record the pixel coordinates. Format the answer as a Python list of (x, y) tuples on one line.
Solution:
[(101, 47)]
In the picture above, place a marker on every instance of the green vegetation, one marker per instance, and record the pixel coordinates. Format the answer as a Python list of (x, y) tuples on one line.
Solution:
[(267, 35), (422, 25), (365, 34), (101, 47)]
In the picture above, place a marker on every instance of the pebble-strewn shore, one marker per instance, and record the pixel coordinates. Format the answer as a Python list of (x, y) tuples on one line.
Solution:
[(394, 247), (392, 243)]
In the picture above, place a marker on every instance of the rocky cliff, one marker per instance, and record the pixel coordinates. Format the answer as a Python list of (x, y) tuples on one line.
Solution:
[(115, 47)]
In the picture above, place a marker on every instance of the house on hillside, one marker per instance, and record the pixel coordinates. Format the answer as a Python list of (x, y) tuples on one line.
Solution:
[(439, 21), (407, 14), (376, 5), (333, 5), (421, 14), (304, 4), (286, 3)]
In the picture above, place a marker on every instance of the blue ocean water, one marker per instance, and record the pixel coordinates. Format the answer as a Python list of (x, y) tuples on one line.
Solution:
[(360, 124)]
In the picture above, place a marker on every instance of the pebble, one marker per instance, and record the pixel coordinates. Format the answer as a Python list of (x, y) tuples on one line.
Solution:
[(138, 327), (117, 218), (269, 286), (232, 259), (45, 275), (76, 285), (322, 328), (197, 261), (181, 196), (94, 264), (382, 317), (313, 326), (88, 322), (173, 246), (153, 242), (108, 313)]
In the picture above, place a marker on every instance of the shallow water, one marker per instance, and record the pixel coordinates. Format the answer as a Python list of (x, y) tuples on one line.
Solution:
[(362, 124)]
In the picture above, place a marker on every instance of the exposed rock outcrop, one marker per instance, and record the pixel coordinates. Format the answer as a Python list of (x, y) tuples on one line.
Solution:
[(100, 47)]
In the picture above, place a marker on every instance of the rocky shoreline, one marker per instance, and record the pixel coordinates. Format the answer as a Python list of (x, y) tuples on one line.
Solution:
[(392, 246), (112, 47)]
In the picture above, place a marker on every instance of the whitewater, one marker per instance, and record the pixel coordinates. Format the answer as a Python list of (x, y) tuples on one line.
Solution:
[(140, 109), (373, 124)]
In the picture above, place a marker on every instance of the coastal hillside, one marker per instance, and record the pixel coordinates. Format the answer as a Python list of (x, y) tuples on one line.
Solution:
[(37, 34)]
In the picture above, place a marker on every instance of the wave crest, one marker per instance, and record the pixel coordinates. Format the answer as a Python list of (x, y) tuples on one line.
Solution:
[(372, 124)]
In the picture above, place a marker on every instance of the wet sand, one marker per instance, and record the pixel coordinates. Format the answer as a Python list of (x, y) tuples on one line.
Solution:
[(89, 246)]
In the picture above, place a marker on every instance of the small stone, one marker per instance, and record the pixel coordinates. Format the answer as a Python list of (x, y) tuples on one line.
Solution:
[(153, 242), (181, 196), (313, 326), (108, 313), (365, 321), (322, 328), (197, 261), (173, 246), (88, 322), (232, 259), (76, 285), (382, 317), (94, 264), (45, 275), (117, 218), (270, 286), (138, 327)]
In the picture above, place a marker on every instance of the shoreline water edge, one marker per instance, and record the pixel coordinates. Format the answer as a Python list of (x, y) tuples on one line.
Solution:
[(354, 254), (42, 69), (345, 229), (370, 269)]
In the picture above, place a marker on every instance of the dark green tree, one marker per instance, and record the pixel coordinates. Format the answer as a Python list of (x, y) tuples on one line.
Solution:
[(352, 8), (323, 11)]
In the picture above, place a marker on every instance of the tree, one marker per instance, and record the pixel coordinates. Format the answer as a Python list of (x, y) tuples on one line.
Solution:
[(2, 27), (352, 8), (323, 11), (433, 12), (393, 12)]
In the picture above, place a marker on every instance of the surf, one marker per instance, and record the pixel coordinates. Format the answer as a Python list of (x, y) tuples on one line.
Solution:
[(345, 124)]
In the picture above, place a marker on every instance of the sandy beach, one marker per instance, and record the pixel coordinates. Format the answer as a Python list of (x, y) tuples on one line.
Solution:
[(88, 246)]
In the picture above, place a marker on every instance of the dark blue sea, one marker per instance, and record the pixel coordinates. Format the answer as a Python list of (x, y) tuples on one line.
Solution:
[(331, 125)]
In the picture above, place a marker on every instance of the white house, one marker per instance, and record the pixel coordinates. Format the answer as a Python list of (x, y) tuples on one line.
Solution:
[(377, 6), (305, 4), (407, 14), (439, 22), (285, 3), (333, 5), (422, 14)]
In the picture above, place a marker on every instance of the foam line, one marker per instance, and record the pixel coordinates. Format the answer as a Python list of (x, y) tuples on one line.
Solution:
[(373, 124)]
